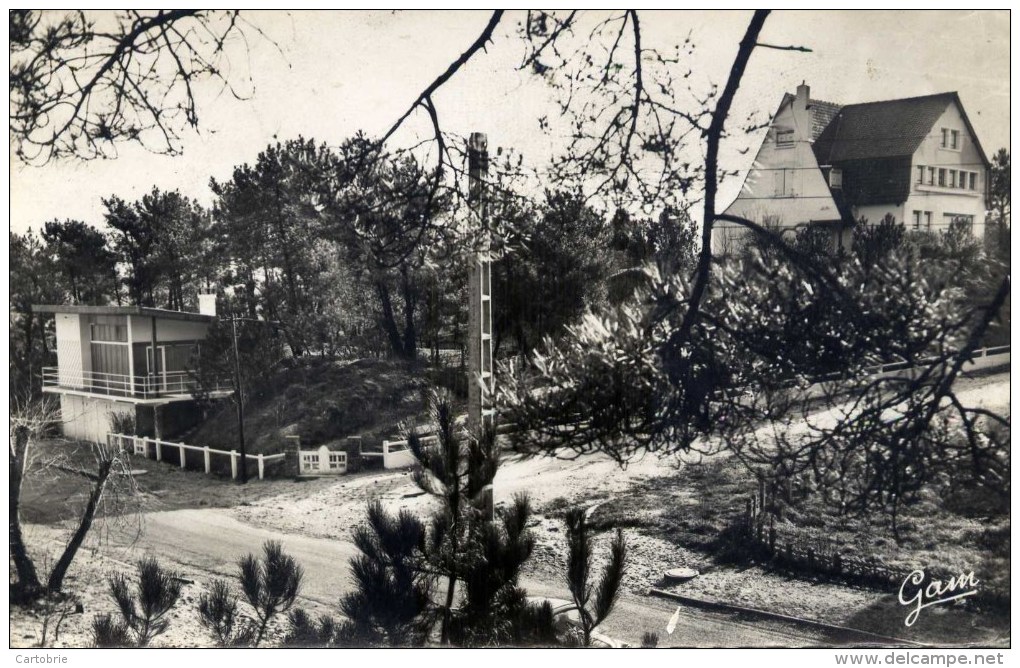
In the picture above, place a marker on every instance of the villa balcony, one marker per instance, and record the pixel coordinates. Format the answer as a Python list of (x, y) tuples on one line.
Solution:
[(166, 385)]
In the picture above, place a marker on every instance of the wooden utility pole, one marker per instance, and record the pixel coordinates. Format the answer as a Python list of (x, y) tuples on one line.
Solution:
[(479, 368), (238, 397)]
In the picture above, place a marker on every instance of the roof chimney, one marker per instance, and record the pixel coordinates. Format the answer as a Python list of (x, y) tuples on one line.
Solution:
[(803, 93), (207, 304)]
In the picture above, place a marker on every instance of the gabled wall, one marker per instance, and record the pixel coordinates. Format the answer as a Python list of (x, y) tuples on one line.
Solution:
[(784, 182), (942, 200)]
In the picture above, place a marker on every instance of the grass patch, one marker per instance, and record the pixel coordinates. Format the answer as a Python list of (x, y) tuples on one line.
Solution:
[(323, 401), (700, 505)]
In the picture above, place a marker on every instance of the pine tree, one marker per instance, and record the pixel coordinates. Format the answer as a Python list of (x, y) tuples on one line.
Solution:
[(391, 604), (593, 611), (142, 612), (269, 586)]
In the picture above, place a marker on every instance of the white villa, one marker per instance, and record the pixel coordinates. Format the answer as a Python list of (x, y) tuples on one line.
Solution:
[(830, 165), (106, 367)]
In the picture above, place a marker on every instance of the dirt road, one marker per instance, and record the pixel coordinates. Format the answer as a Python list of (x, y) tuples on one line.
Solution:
[(208, 542)]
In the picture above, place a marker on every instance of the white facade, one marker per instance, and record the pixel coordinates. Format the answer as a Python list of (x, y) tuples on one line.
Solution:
[(90, 418), (785, 185), (942, 203), (103, 359)]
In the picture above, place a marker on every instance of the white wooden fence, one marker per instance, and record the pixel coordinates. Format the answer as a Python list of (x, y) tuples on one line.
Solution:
[(322, 461), (152, 448), (398, 455)]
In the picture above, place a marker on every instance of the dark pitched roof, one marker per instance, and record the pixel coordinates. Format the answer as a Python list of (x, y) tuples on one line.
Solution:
[(822, 114), (888, 129)]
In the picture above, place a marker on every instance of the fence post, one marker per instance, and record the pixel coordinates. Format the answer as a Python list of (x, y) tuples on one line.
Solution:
[(233, 464), (159, 450), (811, 558), (180, 447), (208, 460), (262, 467), (145, 447)]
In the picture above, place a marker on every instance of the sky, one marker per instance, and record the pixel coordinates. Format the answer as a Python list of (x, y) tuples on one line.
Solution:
[(328, 74)]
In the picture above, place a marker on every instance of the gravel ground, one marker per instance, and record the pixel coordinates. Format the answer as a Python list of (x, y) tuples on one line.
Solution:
[(331, 508)]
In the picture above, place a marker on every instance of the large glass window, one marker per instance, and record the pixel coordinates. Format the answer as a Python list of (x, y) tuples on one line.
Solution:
[(109, 332)]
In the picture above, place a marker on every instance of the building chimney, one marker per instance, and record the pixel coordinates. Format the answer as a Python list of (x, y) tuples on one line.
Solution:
[(207, 304), (803, 93), (801, 114)]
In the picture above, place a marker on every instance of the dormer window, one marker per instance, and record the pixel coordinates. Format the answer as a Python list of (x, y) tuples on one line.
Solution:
[(836, 178), (784, 138)]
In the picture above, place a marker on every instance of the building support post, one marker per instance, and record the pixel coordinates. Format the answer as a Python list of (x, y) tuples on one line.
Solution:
[(154, 369), (157, 426)]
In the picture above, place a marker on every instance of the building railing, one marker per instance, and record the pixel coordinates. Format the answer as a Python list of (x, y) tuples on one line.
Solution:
[(163, 384)]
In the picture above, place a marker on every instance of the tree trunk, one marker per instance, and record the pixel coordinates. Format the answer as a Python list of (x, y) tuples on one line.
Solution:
[(56, 580), (28, 577), (387, 320), (410, 304), (29, 350)]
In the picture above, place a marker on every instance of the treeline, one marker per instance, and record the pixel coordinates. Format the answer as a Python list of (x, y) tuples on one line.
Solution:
[(350, 251)]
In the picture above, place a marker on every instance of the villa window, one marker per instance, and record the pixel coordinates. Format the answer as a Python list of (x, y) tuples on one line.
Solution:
[(945, 138), (836, 178), (959, 218), (920, 175), (942, 177), (109, 332), (973, 181), (931, 176), (784, 138), (954, 139), (917, 220), (927, 220)]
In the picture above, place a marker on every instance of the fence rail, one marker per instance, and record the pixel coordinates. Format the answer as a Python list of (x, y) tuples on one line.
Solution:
[(116, 384), (153, 448), (762, 541), (398, 455)]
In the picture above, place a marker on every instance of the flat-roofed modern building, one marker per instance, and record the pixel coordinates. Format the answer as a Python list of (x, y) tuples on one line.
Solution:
[(126, 361)]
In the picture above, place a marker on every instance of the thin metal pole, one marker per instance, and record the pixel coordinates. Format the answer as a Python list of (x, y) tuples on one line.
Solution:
[(238, 396)]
